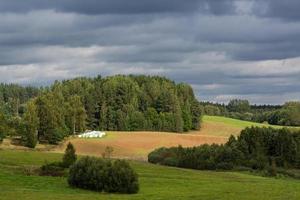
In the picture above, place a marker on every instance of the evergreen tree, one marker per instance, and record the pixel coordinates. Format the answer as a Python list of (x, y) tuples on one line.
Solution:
[(3, 127), (70, 156), (187, 118), (31, 123)]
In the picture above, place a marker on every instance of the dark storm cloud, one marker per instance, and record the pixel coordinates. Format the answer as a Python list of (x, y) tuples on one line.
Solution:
[(224, 48), (119, 6), (282, 9)]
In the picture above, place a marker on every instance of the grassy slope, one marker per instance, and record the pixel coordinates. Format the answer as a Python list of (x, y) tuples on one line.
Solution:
[(156, 182), (234, 124)]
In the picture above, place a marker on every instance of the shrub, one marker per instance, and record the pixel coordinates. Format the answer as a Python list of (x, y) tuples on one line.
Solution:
[(224, 166), (107, 152), (69, 156), (121, 178), (158, 156), (170, 161), (88, 173), (103, 175), (52, 169), (30, 170)]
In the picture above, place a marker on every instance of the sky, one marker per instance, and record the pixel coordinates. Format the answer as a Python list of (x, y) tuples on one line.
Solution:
[(248, 49)]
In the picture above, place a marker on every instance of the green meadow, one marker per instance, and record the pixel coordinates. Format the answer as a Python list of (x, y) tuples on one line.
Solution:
[(239, 123), (156, 182)]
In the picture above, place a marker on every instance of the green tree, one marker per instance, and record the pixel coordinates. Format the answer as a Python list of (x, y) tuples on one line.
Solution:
[(239, 105), (187, 117), (31, 122), (76, 115), (70, 156), (3, 127)]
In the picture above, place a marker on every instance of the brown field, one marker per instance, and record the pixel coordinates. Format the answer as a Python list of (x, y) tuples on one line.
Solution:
[(137, 145)]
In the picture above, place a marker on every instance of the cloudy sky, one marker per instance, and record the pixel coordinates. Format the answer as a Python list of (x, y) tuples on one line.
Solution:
[(224, 48)]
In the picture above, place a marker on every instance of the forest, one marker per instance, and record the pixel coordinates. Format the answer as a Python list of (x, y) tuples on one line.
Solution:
[(120, 102), (255, 148)]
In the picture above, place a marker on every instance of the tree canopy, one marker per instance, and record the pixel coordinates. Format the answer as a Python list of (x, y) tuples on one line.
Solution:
[(127, 103)]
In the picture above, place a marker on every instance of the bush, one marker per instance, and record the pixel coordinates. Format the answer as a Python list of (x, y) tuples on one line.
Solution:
[(103, 175), (170, 161), (31, 170), (224, 166), (69, 156), (121, 178), (52, 169), (159, 156)]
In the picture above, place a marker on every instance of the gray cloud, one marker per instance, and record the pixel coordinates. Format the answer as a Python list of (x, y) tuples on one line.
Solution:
[(225, 49), (287, 9), (119, 6)]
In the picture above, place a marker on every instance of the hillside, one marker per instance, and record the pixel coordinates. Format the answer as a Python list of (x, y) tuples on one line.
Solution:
[(227, 126), (170, 184), (137, 144)]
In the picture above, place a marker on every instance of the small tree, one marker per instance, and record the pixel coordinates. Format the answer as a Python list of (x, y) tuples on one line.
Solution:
[(29, 126), (70, 156), (107, 152)]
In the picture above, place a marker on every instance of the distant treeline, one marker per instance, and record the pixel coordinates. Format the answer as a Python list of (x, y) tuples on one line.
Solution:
[(14, 97), (286, 115), (255, 148), (119, 102)]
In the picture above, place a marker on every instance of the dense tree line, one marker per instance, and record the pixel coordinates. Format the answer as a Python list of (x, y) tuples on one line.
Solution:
[(256, 148), (119, 102), (287, 114), (13, 98)]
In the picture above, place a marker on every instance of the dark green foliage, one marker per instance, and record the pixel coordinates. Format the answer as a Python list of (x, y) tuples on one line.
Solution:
[(128, 103), (163, 156), (30, 126), (58, 168), (103, 175), (121, 178), (256, 148), (3, 127), (13, 97), (52, 169), (238, 105), (54, 135), (70, 156), (202, 157), (1, 136)]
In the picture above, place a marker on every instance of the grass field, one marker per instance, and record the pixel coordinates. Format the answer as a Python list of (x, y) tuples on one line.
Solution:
[(156, 182), (137, 145), (236, 123)]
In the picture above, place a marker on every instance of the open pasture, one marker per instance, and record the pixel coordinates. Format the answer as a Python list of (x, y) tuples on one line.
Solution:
[(156, 183)]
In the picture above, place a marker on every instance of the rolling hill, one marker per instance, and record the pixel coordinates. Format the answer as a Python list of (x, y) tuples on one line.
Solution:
[(137, 145)]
